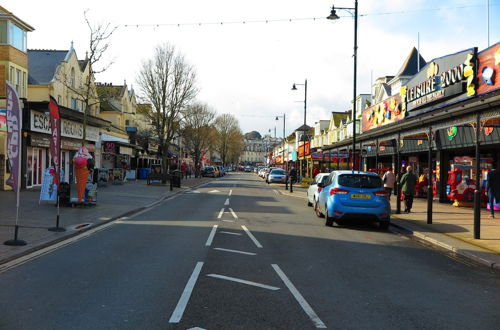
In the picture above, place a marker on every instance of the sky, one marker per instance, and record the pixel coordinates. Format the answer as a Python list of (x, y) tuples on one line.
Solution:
[(248, 69)]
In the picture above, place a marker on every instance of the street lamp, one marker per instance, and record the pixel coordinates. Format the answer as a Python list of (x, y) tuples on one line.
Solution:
[(285, 165), (294, 88), (333, 16)]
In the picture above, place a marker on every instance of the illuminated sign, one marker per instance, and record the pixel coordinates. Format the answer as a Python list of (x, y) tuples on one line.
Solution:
[(444, 77), (488, 71), (383, 113)]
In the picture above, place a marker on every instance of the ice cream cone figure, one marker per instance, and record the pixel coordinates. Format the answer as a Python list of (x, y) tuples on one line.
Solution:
[(81, 171)]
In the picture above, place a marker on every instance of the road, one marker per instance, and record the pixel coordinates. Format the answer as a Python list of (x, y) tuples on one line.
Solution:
[(238, 254)]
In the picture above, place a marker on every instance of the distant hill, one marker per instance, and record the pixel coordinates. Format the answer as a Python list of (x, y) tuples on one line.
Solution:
[(253, 135)]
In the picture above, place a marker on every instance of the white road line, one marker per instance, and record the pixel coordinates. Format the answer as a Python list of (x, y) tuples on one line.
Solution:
[(211, 236), (222, 277), (252, 237), (234, 214), (300, 299), (228, 220), (226, 202), (230, 192), (186, 294), (229, 233), (236, 251), (220, 213)]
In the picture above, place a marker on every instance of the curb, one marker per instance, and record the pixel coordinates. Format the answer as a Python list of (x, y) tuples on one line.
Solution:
[(415, 234), (93, 226)]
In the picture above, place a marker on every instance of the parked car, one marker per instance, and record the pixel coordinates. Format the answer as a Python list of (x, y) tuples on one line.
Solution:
[(347, 195), (314, 190), (248, 169), (276, 175), (208, 171)]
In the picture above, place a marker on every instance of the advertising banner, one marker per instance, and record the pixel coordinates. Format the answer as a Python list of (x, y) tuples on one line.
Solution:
[(55, 139), (488, 71), (14, 130), (383, 113), (48, 191), (3, 120)]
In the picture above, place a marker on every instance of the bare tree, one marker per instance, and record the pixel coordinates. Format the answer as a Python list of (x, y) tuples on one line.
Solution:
[(197, 131), (100, 35), (229, 136), (166, 82)]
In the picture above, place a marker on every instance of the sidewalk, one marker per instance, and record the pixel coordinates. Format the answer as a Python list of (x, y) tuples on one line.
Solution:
[(114, 201), (452, 228)]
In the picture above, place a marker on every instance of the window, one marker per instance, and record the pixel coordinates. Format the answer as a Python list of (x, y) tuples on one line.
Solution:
[(74, 104), (360, 181), (23, 86), (18, 81), (72, 78), (127, 122), (58, 99), (17, 37)]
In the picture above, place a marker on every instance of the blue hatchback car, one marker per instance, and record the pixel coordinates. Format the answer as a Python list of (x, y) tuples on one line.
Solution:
[(353, 194)]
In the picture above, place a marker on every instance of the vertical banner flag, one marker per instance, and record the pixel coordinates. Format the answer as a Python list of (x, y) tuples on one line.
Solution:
[(14, 128), (55, 139)]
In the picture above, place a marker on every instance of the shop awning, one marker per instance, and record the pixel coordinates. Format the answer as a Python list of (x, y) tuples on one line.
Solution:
[(111, 138)]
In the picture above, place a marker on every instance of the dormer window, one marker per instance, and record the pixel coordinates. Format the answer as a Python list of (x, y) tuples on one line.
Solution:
[(13, 35)]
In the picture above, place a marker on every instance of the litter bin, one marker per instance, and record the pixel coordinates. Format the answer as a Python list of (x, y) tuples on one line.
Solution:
[(176, 178)]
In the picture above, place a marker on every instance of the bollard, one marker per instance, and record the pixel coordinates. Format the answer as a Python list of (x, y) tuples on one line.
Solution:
[(291, 186), (286, 184), (171, 183)]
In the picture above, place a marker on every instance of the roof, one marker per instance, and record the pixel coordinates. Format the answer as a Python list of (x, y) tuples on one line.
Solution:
[(4, 13), (304, 128), (42, 65), (410, 65)]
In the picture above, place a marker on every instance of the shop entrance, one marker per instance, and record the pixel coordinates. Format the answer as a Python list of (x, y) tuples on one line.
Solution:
[(35, 166)]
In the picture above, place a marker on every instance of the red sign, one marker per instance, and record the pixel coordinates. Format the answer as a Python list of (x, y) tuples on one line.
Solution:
[(301, 151), (488, 71), (307, 148), (55, 139)]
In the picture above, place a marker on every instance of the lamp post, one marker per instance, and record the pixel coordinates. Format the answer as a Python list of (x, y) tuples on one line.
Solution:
[(294, 88), (333, 16), (285, 166)]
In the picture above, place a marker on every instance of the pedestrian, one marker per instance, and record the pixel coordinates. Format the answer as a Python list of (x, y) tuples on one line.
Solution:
[(389, 179), (316, 171), (293, 175), (493, 189), (408, 182)]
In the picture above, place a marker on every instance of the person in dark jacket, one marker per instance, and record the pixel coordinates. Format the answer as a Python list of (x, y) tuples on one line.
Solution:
[(493, 190), (293, 174), (408, 182)]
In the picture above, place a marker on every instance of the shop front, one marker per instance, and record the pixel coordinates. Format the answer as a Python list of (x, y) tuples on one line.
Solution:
[(38, 141)]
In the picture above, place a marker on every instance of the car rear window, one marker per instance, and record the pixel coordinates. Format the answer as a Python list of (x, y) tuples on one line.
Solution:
[(278, 172), (360, 181)]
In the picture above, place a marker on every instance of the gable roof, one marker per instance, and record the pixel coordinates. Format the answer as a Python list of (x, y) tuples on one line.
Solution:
[(42, 65), (410, 65)]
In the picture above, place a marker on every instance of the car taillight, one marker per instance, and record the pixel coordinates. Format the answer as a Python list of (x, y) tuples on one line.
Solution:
[(338, 191), (319, 189), (381, 193)]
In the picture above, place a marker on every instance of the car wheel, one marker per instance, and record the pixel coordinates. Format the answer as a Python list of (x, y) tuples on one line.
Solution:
[(328, 220), (317, 211), (384, 225)]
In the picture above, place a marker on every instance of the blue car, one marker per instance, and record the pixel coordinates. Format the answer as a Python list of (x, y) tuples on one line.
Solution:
[(353, 195)]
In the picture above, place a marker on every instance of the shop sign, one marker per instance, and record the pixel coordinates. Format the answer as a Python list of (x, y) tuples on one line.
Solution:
[(383, 113), (442, 78), (153, 146), (126, 151), (3, 120), (39, 141), (301, 150), (40, 122), (488, 70), (109, 147), (294, 156), (68, 144), (307, 148)]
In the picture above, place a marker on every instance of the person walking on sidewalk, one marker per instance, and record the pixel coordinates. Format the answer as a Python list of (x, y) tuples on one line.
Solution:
[(389, 181), (316, 171), (293, 175), (493, 190), (408, 182)]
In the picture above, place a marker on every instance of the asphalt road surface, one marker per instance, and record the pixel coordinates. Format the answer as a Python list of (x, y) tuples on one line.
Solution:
[(237, 254)]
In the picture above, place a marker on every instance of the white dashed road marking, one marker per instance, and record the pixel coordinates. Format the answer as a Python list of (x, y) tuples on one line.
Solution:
[(233, 279), (256, 242), (186, 294), (229, 233), (234, 214), (300, 299), (226, 202), (236, 251), (220, 213), (211, 236)]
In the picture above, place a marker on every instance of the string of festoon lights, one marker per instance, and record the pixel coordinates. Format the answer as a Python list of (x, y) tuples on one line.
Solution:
[(291, 20)]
